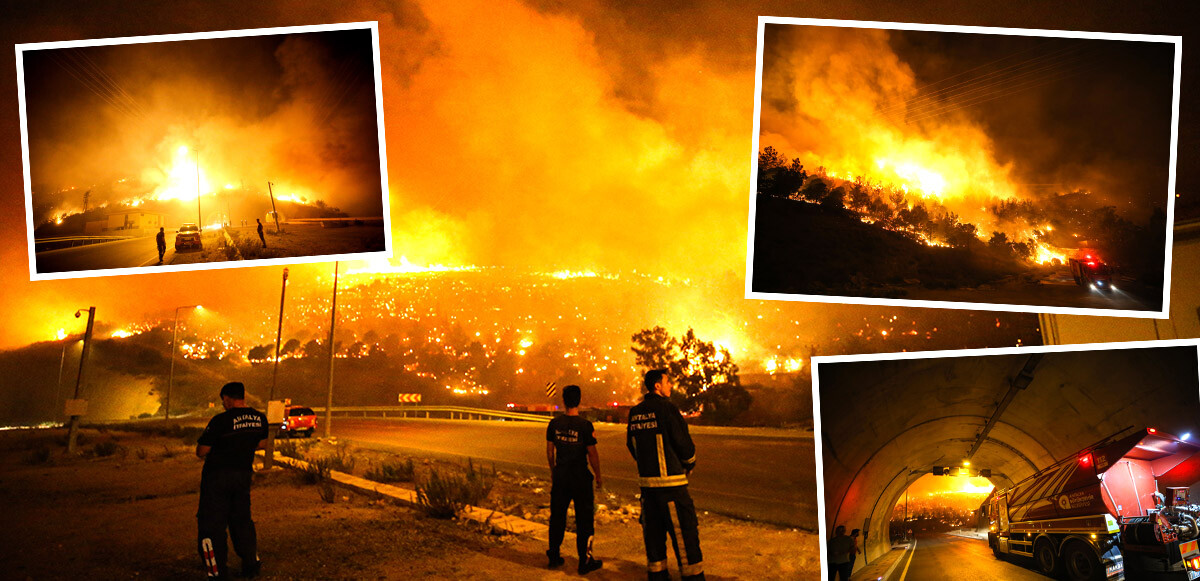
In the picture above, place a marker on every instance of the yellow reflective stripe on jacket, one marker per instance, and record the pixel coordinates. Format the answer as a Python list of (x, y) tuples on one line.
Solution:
[(657, 566), (691, 460), (662, 481), (662, 455)]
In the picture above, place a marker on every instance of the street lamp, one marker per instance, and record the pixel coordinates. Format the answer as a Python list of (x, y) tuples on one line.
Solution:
[(269, 457), (73, 427), (171, 376)]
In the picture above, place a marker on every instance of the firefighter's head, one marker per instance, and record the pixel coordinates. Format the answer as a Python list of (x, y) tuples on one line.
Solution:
[(233, 394), (840, 531), (657, 381), (571, 396)]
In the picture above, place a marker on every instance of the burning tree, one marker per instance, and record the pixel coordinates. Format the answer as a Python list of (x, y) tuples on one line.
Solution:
[(705, 373)]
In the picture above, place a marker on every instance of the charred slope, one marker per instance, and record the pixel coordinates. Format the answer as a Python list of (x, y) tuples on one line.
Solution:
[(810, 249)]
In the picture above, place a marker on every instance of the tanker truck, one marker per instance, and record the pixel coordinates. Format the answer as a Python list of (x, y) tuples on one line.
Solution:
[(1118, 509)]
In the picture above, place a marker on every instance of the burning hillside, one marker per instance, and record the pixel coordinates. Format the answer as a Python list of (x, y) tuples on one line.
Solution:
[(202, 126)]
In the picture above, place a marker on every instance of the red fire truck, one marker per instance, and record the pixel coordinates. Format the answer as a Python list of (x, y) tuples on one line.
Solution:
[(1118, 509), (1090, 271)]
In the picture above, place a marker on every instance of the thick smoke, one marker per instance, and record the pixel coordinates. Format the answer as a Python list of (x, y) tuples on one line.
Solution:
[(129, 122)]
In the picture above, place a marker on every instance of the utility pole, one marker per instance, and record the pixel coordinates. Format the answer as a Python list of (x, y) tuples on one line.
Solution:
[(73, 427), (332, 323), (274, 212), (62, 360), (171, 376), (199, 220), (269, 459)]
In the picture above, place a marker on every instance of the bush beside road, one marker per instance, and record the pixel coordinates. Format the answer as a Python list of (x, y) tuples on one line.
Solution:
[(125, 508)]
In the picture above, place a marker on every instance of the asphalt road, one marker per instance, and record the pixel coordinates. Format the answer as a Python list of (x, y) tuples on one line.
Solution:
[(766, 478), (129, 253), (950, 557), (1056, 291)]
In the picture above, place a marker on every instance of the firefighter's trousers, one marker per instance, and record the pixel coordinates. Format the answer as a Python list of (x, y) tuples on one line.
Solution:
[(669, 512), (565, 489), (225, 504)]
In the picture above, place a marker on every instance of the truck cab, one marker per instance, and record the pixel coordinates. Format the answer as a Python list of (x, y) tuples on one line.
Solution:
[(1118, 509), (1089, 271)]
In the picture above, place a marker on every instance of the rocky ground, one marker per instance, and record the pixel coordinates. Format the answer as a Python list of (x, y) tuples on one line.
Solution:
[(124, 508)]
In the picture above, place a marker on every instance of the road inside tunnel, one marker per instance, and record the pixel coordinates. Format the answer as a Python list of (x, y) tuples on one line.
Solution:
[(1004, 414)]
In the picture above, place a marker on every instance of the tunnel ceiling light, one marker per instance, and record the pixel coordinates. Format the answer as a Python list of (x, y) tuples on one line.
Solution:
[(1185, 436), (966, 462)]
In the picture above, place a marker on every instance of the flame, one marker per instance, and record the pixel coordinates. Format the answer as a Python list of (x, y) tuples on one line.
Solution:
[(1045, 254), (386, 266), (179, 181), (122, 333), (61, 334)]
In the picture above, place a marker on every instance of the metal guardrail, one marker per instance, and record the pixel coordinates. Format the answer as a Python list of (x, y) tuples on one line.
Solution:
[(434, 411), (60, 242)]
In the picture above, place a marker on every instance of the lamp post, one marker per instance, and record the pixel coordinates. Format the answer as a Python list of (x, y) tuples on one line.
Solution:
[(269, 457), (73, 427), (332, 323), (171, 375)]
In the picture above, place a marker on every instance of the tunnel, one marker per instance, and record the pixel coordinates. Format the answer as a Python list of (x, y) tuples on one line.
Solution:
[(886, 423)]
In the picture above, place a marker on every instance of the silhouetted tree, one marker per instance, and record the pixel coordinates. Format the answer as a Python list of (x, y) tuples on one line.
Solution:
[(705, 374)]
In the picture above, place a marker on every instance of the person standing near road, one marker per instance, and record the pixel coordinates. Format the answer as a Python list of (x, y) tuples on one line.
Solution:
[(161, 239), (841, 554), (658, 438), (260, 233), (570, 447), (854, 551), (227, 447)]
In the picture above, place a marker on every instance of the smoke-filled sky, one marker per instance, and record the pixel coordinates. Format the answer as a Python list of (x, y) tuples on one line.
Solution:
[(971, 118), (128, 122), (604, 135)]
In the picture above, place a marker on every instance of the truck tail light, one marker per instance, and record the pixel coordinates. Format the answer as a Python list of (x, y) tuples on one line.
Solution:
[(1193, 564), (1085, 459), (1152, 430)]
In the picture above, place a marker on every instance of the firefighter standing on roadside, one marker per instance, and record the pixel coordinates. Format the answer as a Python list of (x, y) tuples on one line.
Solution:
[(570, 447), (658, 438), (227, 446)]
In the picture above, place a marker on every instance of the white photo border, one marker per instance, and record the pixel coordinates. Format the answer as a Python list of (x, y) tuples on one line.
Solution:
[(819, 360), (372, 25), (1163, 313)]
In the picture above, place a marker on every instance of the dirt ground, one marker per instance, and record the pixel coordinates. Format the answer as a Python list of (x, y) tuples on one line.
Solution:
[(125, 509)]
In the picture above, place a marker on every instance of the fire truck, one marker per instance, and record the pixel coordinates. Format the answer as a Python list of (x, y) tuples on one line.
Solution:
[(1118, 509), (1090, 271)]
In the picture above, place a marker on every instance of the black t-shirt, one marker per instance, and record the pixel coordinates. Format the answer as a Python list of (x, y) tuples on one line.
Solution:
[(571, 436), (234, 436)]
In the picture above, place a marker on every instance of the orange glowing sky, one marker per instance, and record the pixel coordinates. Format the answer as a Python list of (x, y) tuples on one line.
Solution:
[(543, 134)]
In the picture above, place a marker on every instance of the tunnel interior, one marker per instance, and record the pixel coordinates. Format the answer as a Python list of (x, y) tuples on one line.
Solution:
[(885, 424)]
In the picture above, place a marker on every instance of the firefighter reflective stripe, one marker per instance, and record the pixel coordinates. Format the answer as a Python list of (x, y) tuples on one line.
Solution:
[(691, 460), (662, 455), (210, 558), (657, 566), (685, 568), (662, 481), (589, 547)]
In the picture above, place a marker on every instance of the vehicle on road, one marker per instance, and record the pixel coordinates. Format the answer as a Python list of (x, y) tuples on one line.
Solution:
[(1118, 509), (188, 236), (298, 421), (1090, 271)]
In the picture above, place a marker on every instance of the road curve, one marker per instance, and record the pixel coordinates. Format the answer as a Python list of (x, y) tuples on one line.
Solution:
[(764, 478)]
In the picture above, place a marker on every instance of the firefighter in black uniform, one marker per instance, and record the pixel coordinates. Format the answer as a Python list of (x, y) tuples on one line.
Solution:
[(570, 447), (227, 446), (658, 439)]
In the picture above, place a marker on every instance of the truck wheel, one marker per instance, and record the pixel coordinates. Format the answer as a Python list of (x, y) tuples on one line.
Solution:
[(308, 433), (1082, 563), (1046, 558), (996, 551)]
